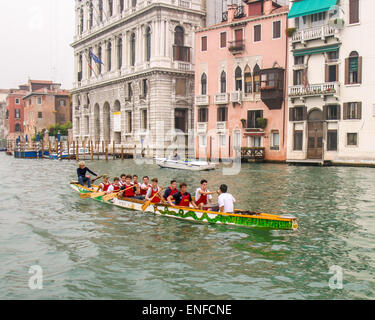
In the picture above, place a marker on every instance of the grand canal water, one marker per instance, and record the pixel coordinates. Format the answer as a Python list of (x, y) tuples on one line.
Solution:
[(89, 250)]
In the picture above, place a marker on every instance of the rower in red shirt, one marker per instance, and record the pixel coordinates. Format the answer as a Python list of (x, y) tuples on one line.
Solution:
[(128, 192), (155, 189), (203, 195), (182, 198), (105, 184), (171, 191), (115, 187), (145, 186)]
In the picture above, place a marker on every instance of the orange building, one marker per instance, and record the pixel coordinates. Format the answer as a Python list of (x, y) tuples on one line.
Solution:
[(46, 104)]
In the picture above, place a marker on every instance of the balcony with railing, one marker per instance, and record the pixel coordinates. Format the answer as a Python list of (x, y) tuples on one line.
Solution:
[(236, 97), (253, 153), (236, 46), (202, 100), (202, 127), (321, 89), (319, 32), (181, 53), (221, 126), (221, 98)]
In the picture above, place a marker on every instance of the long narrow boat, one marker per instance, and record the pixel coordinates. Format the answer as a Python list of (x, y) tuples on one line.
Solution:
[(239, 218)]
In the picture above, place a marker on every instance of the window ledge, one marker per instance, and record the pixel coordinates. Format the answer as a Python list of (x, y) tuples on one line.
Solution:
[(353, 24), (353, 85)]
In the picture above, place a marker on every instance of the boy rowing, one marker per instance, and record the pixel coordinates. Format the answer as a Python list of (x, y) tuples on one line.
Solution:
[(155, 190), (203, 196), (104, 186), (182, 198)]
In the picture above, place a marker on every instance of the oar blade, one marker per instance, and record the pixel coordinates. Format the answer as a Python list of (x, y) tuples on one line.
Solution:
[(85, 195), (97, 194), (145, 206)]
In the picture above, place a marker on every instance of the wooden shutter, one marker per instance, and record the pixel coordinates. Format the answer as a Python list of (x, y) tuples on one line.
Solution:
[(276, 29), (347, 71), (204, 43), (345, 111), (325, 112), (257, 33), (326, 73), (353, 11), (238, 35), (359, 110), (338, 111), (223, 40), (304, 113), (359, 69), (291, 114)]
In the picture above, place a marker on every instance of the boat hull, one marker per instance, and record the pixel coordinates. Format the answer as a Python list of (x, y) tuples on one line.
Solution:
[(261, 220), (181, 165)]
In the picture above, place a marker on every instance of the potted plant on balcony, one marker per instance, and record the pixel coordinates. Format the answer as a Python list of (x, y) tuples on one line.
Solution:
[(290, 31), (261, 122), (244, 123)]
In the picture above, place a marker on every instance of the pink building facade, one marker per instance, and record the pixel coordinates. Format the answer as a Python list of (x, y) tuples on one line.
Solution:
[(240, 85)]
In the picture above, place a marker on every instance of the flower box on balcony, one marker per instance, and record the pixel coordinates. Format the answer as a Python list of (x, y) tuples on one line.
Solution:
[(290, 32), (261, 122)]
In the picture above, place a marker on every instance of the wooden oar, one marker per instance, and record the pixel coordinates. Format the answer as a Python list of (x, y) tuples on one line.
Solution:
[(92, 195), (147, 203), (92, 181), (113, 195)]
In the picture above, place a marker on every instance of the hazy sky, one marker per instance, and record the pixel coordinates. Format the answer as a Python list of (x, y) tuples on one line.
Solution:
[(34, 41)]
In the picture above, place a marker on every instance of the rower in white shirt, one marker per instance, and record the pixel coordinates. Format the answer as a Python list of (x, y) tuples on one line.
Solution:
[(226, 200)]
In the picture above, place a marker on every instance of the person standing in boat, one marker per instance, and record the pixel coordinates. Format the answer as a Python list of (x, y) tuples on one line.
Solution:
[(115, 186), (171, 190), (104, 186), (226, 200), (128, 192), (82, 174), (182, 198), (154, 190), (203, 196), (176, 157)]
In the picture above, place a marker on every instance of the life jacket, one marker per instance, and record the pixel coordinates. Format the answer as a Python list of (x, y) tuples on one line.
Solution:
[(185, 200), (202, 199), (157, 198), (144, 192), (173, 192), (116, 188), (130, 192), (106, 186)]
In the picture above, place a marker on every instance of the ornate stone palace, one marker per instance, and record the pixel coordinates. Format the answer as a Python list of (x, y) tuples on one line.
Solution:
[(142, 96)]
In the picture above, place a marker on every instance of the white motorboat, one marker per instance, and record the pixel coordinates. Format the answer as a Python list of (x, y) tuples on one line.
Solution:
[(192, 165)]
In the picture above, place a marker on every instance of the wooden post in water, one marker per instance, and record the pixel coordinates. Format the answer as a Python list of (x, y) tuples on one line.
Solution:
[(61, 150), (122, 152), (68, 144), (42, 149), (77, 151), (106, 151), (84, 149), (91, 150)]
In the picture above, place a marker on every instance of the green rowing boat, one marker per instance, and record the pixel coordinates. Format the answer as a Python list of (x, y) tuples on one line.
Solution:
[(239, 218)]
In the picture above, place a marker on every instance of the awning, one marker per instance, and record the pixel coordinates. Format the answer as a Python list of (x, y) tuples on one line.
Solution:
[(306, 52), (307, 7)]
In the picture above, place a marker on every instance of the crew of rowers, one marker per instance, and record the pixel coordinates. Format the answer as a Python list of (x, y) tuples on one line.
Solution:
[(128, 186)]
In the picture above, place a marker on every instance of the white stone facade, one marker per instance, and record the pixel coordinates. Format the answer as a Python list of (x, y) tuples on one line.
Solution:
[(151, 79), (345, 100)]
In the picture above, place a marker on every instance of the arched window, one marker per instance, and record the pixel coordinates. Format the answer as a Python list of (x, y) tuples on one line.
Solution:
[(248, 80), (148, 44), (100, 5), (100, 58), (81, 18), (179, 36), (121, 5), (17, 127), (109, 56), (238, 77), (223, 82), (204, 84), (353, 67), (256, 78), (119, 53), (91, 14), (132, 50), (110, 7), (134, 3)]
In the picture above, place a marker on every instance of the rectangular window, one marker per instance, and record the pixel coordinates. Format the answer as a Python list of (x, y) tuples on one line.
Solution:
[(222, 140), (222, 114), (144, 119), (257, 33), (318, 18), (204, 44), (333, 112), (298, 139), (39, 100), (332, 140), (352, 139), (17, 113), (40, 115), (353, 11), (202, 140), (332, 56), (275, 140), (180, 87), (144, 89), (353, 111), (299, 60), (203, 115), (130, 92), (332, 73), (252, 116), (276, 29), (238, 35), (17, 101), (223, 40), (129, 128), (298, 114), (297, 77)]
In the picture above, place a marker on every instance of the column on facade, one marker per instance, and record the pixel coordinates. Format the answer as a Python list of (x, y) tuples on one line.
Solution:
[(76, 63), (138, 45), (124, 50), (168, 40), (114, 40)]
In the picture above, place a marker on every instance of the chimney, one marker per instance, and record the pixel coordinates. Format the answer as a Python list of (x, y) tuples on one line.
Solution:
[(231, 12), (268, 7)]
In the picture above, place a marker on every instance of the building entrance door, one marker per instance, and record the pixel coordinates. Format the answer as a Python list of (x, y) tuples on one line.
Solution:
[(315, 135)]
